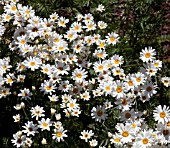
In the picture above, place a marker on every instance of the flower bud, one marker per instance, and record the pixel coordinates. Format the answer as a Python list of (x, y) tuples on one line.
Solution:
[(53, 111), (58, 116), (22, 104), (110, 134), (44, 141)]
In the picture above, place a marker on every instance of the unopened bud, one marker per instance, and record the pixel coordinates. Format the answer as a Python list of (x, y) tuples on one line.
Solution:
[(44, 141), (110, 134), (58, 116), (22, 104), (33, 88), (19, 133), (53, 111)]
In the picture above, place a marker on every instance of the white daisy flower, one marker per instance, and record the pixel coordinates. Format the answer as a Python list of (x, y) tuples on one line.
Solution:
[(161, 115), (25, 94), (116, 139), (101, 54), (147, 54), (79, 74), (86, 135), (100, 8), (145, 139), (37, 112), (30, 128), (48, 87), (45, 124), (98, 113), (118, 89), (166, 81), (126, 132), (59, 134), (62, 21), (93, 143), (102, 25), (33, 63), (17, 118), (88, 17), (18, 140), (112, 38)]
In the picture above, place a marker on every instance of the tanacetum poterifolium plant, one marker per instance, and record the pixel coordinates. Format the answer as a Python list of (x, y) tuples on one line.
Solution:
[(72, 90)]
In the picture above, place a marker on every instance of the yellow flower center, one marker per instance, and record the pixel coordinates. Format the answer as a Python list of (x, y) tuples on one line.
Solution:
[(61, 48), (70, 36), (61, 23), (138, 79), (86, 135), (32, 63), (48, 87), (79, 75), (56, 40), (119, 89), (10, 80), (48, 25), (24, 94), (99, 55), (84, 96), (44, 124), (5, 67), (109, 65), (37, 112), (49, 48), (59, 134), (21, 67), (27, 12), (35, 52), (100, 67), (90, 26), (168, 123), (101, 45), (46, 70), (156, 64), (36, 22), (125, 134), (78, 47), (117, 71), (71, 105), (165, 81), (8, 17), (130, 82), (76, 28), (133, 125), (112, 39), (117, 61), (117, 140), (148, 55), (162, 114), (107, 88), (145, 141), (22, 42), (14, 8)]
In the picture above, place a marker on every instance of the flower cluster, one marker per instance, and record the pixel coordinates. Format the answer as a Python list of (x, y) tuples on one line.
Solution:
[(66, 71)]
